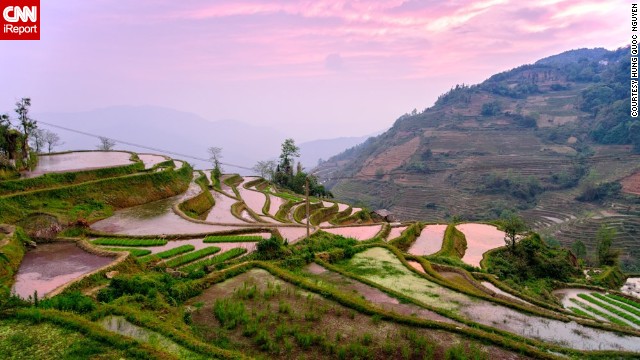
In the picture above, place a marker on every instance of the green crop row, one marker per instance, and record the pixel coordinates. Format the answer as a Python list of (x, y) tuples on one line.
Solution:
[(135, 252), (168, 253), (611, 309), (323, 214), (624, 300), (623, 306), (230, 254), (232, 238), (579, 311), (187, 258), (129, 242), (595, 311)]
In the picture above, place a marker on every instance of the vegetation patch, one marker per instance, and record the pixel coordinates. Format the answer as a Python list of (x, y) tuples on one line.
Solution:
[(454, 243), (214, 260), (167, 253), (232, 238), (129, 242), (189, 257), (133, 251)]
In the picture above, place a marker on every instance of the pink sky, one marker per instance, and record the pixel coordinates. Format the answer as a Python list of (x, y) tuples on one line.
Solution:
[(354, 66)]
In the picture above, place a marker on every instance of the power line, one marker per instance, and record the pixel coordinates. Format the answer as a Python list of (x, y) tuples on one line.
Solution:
[(139, 145)]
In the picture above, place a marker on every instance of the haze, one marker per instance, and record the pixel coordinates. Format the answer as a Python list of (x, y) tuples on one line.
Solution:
[(311, 69)]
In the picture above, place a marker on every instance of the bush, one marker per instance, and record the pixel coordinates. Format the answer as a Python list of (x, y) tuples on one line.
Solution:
[(270, 249), (73, 301)]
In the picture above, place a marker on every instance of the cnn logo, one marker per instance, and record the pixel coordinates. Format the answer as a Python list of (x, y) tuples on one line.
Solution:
[(20, 20)]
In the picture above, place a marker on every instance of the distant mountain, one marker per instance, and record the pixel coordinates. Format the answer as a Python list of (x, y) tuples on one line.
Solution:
[(313, 151), (532, 140), (168, 129)]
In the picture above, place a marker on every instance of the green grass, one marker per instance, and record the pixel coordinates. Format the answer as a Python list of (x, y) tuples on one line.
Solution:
[(25, 340), (595, 311), (168, 253), (129, 242), (612, 309), (232, 238), (287, 196), (229, 254), (135, 252), (624, 300), (187, 258)]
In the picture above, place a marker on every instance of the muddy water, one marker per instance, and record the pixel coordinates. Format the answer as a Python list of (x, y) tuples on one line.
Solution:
[(356, 232), (121, 326), (480, 239), (254, 199), (553, 331), (416, 265), (294, 234), (342, 207), (565, 296), (429, 241), (77, 161), (221, 211), (178, 163), (151, 160), (632, 287), (373, 295), (52, 265), (275, 204), (156, 218), (396, 232), (497, 290)]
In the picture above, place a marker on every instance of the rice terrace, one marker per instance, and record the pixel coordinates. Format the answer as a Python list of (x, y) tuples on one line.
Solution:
[(500, 223)]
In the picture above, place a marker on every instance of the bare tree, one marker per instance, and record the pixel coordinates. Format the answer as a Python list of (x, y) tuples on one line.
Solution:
[(52, 140), (37, 139), (106, 143), (266, 168), (215, 155)]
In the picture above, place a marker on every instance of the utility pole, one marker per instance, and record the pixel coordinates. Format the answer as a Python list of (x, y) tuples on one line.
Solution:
[(306, 193)]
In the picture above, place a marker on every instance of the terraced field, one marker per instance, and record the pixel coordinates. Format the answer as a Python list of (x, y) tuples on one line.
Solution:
[(174, 286)]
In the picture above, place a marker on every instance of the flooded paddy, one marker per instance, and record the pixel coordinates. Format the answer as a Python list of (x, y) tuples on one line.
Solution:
[(373, 295), (275, 203), (294, 234), (151, 160), (200, 244), (430, 240), (356, 232), (632, 287), (51, 265), (497, 290), (78, 161), (383, 268), (416, 265), (396, 232), (221, 211), (254, 199), (568, 296), (156, 218), (480, 239), (121, 326)]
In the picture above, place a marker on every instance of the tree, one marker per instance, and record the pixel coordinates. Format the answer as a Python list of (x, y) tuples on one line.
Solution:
[(4, 129), (289, 151), (266, 169), (28, 124), (37, 139), (604, 240), (579, 249), (215, 155), (513, 225), (106, 144), (52, 140)]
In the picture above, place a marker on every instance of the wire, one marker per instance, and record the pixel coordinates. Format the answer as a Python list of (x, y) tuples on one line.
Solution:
[(140, 146)]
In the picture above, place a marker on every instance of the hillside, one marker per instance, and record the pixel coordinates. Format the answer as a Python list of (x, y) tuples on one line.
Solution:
[(530, 140), (111, 254)]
